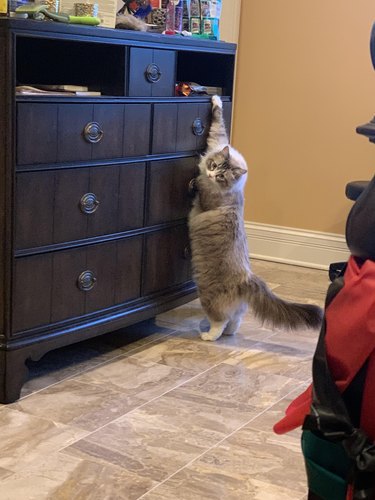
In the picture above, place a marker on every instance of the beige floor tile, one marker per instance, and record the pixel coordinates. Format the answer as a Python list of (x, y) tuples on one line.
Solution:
[(302, 340), (64, 477), (177, 352), (140, 334), (84, 406), (259, 455), (143, 444), (235, 384), (311, 279), (135, 378), (275, 359), (68, 361), (4, 473), (211, 483), (138, 380), (115, 416), (26, 438), (266, 420), (186, 317)]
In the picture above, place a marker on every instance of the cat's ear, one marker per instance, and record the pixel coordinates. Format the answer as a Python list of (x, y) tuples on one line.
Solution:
[(225, 153), (237, 172)]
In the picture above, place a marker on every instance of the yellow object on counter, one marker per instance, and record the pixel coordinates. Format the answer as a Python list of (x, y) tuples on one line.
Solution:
[(3, 6)]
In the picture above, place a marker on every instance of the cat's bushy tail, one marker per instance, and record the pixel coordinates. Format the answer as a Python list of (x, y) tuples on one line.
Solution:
[(276, 312)]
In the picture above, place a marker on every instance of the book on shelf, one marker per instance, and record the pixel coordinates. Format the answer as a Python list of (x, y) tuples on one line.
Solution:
[(37, 90), (63, 87)]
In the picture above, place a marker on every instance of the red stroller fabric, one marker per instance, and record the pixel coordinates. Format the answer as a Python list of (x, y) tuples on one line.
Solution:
[(350, 342)]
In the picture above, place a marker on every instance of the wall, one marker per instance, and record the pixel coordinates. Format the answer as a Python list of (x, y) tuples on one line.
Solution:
[(304, 82), (230, 20)]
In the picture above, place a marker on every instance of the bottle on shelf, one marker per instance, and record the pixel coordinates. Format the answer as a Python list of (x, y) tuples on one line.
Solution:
[(173, 21), (178, 16), (169, 17)]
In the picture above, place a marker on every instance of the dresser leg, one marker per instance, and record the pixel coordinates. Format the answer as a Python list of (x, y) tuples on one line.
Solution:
[(13, 373)]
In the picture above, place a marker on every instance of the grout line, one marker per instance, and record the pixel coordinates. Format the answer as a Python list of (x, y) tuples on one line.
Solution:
[(220, 442), (147, 402), (124, 354)]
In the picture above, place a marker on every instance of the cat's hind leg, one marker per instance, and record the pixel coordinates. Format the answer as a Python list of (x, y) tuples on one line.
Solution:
[(235, 322), (232, 326), (215, 331)]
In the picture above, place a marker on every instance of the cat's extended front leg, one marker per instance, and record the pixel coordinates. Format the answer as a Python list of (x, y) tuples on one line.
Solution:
[(215, 331), (217, 135)]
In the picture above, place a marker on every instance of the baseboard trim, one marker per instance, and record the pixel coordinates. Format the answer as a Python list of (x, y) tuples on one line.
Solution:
[(295, 246)]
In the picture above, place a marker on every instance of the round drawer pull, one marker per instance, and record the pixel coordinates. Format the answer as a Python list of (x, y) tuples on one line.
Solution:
[(93, 132), (86, 281), (153, 73), (187, 253), (89, 203), (198, 127)]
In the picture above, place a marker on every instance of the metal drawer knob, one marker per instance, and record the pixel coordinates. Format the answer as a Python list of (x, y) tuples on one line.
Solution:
[(187, 253), (198, 127), (93, 132), (153, 73), (86, 281), (89, 203)]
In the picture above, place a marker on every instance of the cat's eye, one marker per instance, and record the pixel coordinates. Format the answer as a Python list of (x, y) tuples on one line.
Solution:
[(220, 177), (212, 165)]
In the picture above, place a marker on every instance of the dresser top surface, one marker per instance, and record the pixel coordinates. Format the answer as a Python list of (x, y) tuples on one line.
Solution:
[(50, 29)]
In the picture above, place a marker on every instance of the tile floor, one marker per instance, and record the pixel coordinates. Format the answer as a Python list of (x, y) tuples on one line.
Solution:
[(153, 412)]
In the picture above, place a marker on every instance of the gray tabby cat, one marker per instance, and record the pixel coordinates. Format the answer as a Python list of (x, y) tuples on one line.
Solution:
[(220, 254)]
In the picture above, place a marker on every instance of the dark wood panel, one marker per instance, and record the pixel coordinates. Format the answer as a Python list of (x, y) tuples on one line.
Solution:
[(101, 260), (69, 221), (131, 192), (34, 209), (104, 184), (128, 275), (110, 117), (167, 262), (36, 133), (205, 116), (67, 300), (166, 61), (186, 115), (165, 128), (168, 189), (50, 205), (47, 286), (139, 59), (32, 292), (136, 132), (72, 120), (6, 123)]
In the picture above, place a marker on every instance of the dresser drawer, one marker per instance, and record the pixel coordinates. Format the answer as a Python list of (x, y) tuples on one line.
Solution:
[(61, 285), (151, 72), (55, 206), (167, 259), (183, 126), (49, 133), (168, 198)]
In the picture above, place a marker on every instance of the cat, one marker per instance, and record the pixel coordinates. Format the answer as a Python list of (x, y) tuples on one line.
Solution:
[(129, 22), (220, 256)]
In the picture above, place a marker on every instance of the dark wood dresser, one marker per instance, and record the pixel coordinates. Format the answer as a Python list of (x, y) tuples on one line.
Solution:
[(93, 191)]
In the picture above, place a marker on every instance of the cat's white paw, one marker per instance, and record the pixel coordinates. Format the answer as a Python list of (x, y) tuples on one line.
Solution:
[(210, 336), (216, 101)]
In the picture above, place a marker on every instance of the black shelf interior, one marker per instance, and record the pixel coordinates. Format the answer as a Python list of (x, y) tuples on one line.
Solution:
[(101, 67)]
